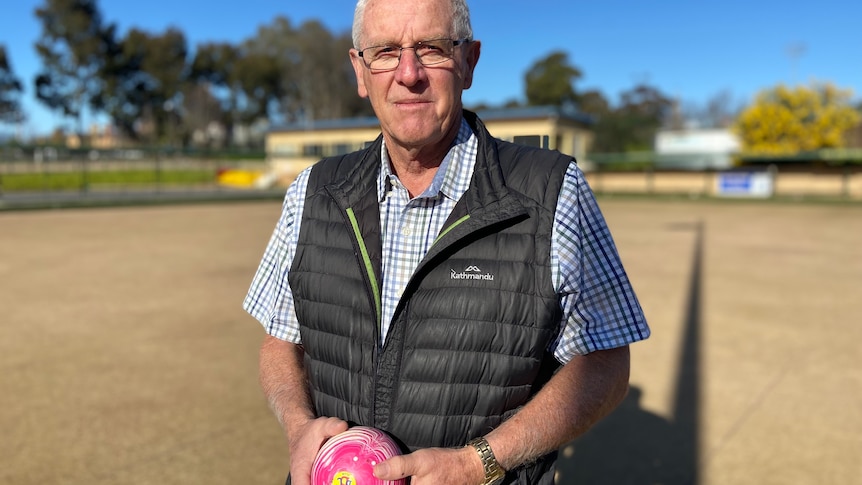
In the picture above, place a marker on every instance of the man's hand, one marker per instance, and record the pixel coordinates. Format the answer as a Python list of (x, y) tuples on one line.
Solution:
[(285, 384), (304, 443), (434, 466)]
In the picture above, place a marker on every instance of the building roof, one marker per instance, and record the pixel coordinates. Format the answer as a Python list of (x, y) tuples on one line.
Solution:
[(495, 114)]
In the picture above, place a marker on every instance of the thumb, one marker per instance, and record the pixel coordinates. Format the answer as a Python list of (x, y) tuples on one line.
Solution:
[(394, 468), (334, 426)]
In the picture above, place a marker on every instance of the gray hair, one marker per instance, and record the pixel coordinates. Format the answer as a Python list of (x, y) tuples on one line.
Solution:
[(461, 27)]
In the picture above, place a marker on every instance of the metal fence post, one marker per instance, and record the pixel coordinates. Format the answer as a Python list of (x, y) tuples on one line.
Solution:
[(845, 182), (85, 183)]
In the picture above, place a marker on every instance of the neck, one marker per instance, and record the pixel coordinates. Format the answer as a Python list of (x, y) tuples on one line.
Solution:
[(415, 176), (416, 167)]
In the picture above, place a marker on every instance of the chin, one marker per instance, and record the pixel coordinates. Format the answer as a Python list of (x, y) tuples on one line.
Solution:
[(416, 136)]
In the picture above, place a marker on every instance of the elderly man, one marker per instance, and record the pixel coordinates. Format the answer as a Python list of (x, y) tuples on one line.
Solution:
[(459, 292)]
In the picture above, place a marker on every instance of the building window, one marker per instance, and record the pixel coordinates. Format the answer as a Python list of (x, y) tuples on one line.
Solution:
[(341, 148), (312, 150), (540, 141), (285, 149)]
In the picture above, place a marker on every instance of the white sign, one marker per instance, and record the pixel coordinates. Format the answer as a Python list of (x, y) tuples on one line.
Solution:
[(744, 184)]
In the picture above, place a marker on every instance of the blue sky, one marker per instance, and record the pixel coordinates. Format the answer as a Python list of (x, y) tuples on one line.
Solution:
[(690, 49)]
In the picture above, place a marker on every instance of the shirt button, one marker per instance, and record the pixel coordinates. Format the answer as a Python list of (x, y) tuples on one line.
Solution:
[(406, 231)]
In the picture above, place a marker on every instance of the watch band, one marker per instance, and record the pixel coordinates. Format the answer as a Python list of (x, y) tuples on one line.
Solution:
[(494, 473)]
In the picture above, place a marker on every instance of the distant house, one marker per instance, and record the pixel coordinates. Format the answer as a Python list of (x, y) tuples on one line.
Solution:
[(292, 148), (696, 149), (102, 137)]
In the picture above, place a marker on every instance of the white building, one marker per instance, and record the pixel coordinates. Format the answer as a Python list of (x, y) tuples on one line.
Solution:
[(696, 149)]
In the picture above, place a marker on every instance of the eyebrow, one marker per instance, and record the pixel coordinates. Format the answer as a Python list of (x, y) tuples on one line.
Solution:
[(396, 43)]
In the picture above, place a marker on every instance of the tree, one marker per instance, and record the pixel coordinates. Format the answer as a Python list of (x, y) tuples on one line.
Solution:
[(645, 109), (144, 78), (317, 80), (213, 67), (161, 61), (632, 125), (213, 62), (720, 111), (124, 92), (594, 103), (853, 136), (785, 120), (324, 66), (74, 47), (278, 41), (202, 111), (149, 88), (10, 92), (550, 81), (258, 78)]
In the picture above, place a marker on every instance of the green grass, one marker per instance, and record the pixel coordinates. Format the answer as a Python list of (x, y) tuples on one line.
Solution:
[(20, 182)]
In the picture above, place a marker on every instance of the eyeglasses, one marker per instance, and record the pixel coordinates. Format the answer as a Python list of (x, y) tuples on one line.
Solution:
[(429, 52)]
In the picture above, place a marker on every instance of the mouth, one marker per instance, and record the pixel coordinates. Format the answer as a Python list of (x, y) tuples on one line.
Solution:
[(407, 103)]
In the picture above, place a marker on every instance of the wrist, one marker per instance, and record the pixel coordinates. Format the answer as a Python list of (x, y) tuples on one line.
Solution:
[(492, 472)]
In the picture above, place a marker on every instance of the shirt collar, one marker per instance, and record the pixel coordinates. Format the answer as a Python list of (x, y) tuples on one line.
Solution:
[(452, 178)]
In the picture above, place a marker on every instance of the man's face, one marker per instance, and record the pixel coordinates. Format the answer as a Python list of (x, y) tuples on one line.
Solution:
[(418, 106)]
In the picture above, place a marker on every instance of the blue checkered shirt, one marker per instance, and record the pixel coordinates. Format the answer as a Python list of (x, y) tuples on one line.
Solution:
[(600, 309)]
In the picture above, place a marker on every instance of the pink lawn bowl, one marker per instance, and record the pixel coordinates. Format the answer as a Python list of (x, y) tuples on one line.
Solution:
[(349, 458)]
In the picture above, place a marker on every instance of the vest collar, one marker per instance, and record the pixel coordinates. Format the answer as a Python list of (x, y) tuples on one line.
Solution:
[(487, 201)]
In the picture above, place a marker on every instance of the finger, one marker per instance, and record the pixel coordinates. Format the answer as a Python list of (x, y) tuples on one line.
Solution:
[(394, 468), (325, 428), (334, 426)]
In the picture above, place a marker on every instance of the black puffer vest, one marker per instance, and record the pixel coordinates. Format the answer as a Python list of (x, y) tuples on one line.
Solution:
[(467, 346)]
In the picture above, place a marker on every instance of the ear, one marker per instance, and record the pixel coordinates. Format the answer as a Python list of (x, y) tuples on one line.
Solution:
[(471, 58), (360, 70)]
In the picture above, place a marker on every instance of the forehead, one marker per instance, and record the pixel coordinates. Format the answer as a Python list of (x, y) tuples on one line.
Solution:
[(406, 21)]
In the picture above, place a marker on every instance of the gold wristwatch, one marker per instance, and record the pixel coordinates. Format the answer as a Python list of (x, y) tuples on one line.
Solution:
[(494, 473)]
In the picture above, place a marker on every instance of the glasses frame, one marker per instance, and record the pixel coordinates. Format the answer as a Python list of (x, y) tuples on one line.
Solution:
[(367, 62)]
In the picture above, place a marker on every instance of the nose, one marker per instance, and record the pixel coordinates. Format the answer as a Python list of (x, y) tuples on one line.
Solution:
[(409, 71)]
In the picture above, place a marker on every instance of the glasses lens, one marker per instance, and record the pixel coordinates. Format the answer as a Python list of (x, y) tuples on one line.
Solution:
[(382, 57), (434, 51), (429, 52)]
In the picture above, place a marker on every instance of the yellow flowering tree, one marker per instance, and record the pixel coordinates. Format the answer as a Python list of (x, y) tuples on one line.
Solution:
[(785, 120)]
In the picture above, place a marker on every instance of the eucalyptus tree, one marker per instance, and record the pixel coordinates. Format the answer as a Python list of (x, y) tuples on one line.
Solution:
[(161, 61), (10, 91), (550, 81), (74, 47), (145, 78), (211, 71)]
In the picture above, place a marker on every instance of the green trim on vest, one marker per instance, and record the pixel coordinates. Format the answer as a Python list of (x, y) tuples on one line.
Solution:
[(453, 226), (369, 268)]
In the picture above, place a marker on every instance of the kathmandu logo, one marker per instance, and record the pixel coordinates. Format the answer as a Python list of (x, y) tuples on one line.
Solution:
[(471, 273)]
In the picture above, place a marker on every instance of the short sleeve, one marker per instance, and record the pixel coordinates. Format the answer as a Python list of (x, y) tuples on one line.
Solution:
[(269, 299), (600, 308)]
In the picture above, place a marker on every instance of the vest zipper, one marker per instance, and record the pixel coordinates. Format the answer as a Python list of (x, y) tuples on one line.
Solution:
[(375, 296), (369, 269)]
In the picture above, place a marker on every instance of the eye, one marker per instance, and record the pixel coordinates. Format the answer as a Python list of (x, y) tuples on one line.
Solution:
[(429, 48), (386, 51)]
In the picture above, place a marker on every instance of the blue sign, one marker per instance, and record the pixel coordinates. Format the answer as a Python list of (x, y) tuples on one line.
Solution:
[(744, 184)]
